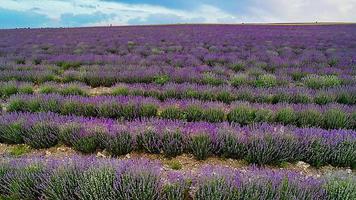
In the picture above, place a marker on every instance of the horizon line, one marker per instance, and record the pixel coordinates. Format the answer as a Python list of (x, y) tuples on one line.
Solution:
[(180, 24)]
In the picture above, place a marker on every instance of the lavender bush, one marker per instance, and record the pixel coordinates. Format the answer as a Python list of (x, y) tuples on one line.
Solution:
[(87, 139), (226, 183), (229, 144), (149, 140), (42, 135), (138, 183), (173, 143), (340, 186), (266, 148), (201, 146), (11, 133), (118, 142), (176, 187), (64, 89), (242, 115), (12, 87), (97, 183), (64, 183)]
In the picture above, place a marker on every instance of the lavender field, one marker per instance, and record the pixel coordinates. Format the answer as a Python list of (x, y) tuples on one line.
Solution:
[(205, 112)]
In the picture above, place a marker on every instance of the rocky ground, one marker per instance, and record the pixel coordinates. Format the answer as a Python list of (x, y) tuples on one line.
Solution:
[(185, 162)]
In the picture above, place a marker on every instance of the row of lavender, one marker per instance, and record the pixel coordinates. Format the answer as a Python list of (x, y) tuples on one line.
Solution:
[(16, 87), (90, 178), (130, 107), (259, 144), (107, 76), (295, 72), (226, 94)]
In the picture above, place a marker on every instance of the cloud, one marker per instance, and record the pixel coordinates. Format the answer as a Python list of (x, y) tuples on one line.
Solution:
[(96, 12), (302, 10), (267, 10), (229, 6), (172, 4), (69, 19), (164, 19)]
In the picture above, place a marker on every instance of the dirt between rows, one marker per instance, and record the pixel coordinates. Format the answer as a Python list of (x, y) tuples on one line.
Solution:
[(186, 162)]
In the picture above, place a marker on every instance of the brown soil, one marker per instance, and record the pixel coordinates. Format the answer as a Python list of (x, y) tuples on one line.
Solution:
[(99, 91)]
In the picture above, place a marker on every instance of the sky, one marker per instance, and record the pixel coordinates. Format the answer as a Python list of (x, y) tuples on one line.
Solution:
[(75, 13)]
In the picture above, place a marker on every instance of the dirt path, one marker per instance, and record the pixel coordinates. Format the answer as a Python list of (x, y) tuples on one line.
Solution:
[(186, 161)]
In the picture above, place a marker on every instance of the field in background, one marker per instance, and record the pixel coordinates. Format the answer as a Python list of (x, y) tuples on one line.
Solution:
[(179, 112)]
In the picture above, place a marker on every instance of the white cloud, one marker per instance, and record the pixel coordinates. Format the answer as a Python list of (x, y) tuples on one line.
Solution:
[(54, 9), (302, 10)]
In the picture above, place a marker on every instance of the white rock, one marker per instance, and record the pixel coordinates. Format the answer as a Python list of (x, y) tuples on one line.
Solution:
[(62, 149), (100, 155), (48, 153), (303, 165)]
